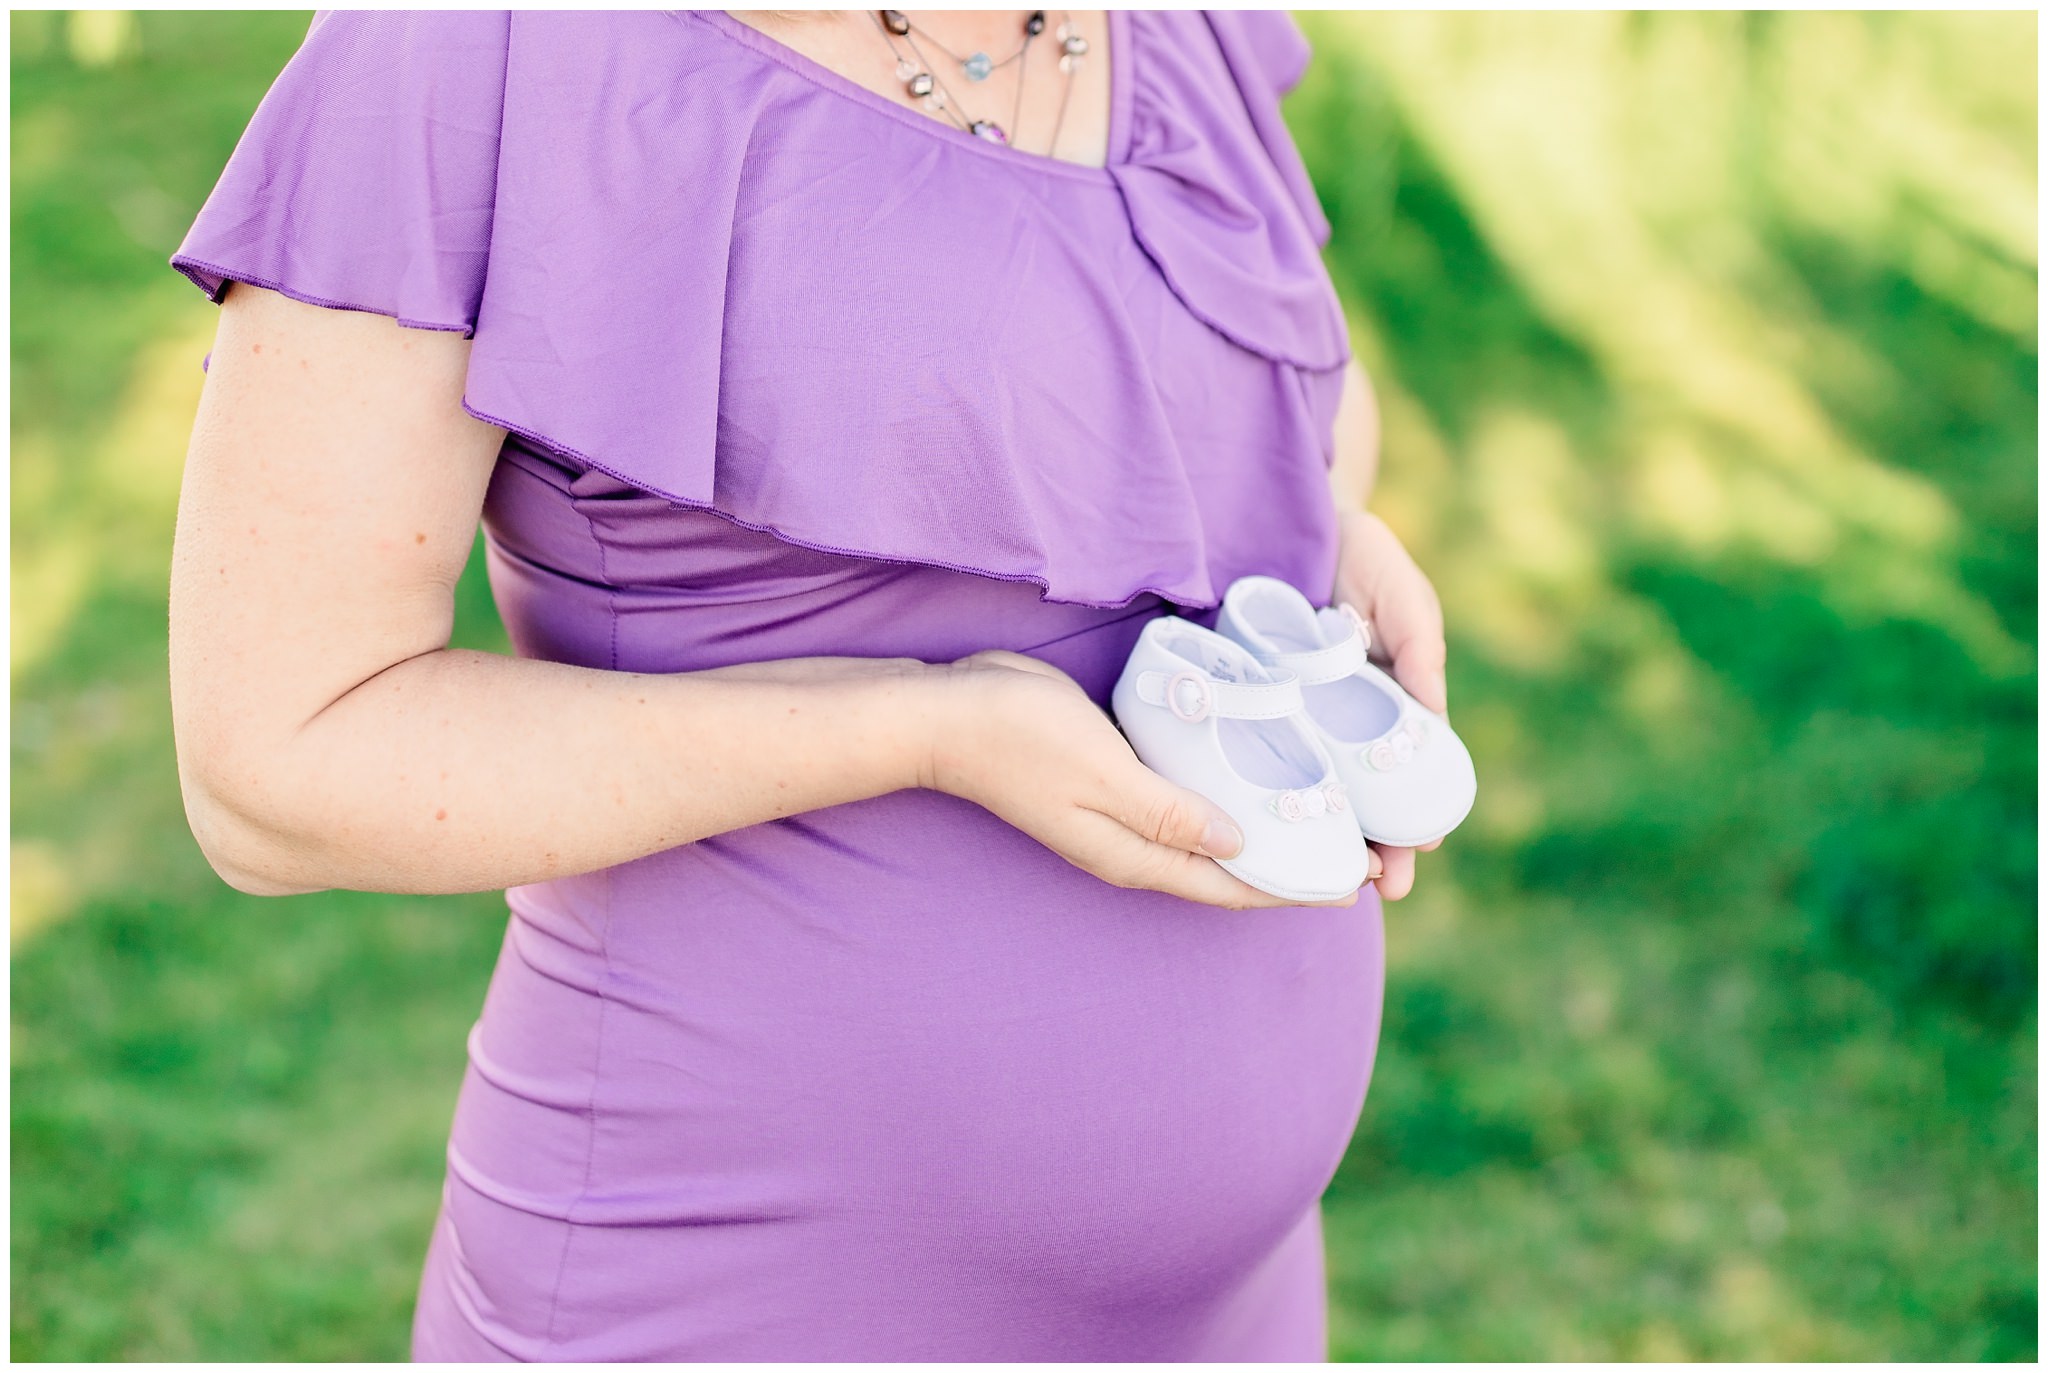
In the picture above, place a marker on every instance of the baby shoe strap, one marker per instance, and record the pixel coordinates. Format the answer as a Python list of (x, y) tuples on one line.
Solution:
[(1193, 696), (1320, 665)]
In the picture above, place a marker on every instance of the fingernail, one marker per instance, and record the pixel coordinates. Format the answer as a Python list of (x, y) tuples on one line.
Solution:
[(1378, 869), (1221, 839)]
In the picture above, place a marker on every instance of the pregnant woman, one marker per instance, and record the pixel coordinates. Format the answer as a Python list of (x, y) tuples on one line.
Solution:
[(840, 394)]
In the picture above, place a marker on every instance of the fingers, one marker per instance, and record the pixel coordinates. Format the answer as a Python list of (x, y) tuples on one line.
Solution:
[(1157, 810), (1122, 856), (1199, 879), (1407, 619), (1186, 829), (1171, 834), (1398, 877), (1411, 625)]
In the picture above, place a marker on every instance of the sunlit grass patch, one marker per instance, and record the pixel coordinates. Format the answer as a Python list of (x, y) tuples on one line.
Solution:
[(1706, 347)]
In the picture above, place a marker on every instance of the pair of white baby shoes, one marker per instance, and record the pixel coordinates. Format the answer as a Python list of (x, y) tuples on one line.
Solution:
[(1277, 716)]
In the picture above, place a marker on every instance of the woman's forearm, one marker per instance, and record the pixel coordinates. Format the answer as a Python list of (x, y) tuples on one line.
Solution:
[(328, 737), (464, 771)]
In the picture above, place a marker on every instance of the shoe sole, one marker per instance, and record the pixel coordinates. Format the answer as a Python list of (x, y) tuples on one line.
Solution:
[(1426, 839), (1230, 866)]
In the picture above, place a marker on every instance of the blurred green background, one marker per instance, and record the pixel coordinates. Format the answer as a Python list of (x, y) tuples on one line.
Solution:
[(1707, 348)]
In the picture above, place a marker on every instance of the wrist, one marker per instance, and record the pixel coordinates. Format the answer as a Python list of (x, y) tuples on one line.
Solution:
[(910, 709), (949, 723), (880, 716)]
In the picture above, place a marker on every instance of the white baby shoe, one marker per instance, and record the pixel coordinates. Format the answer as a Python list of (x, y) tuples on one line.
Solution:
[(1410, 778), (1201, 712)]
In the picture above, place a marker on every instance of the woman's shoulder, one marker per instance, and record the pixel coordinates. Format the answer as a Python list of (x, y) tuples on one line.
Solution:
[(376, 167), (398, 34), (437, 50), (416, 55)]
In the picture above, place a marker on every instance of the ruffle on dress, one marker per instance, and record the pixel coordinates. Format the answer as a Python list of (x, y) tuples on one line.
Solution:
[(1269, 55), (753, 287), (1211, 206)]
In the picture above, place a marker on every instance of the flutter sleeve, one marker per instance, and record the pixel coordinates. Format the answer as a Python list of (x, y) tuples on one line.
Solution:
[(1269, 55), (366, 178)]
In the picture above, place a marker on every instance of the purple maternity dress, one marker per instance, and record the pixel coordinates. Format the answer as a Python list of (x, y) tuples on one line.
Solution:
[(790, 370)]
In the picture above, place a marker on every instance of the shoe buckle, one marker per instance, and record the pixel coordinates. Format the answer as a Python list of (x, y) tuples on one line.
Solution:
[(1204, 698)]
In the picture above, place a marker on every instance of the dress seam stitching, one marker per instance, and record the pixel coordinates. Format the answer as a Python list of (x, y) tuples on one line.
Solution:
[(604, 573), (604, 1001), (603, 992)]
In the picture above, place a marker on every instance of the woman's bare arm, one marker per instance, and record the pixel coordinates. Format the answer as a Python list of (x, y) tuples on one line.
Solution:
[(327, 736)]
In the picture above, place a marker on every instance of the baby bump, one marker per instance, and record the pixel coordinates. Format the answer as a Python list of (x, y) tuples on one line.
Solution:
[(907, 1016)]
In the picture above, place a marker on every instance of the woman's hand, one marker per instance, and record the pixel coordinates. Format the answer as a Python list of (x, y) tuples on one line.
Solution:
[(1379, 579), (1024, 741)]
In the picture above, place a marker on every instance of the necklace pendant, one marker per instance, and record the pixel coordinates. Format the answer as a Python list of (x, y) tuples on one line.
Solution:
[(978, 66), (988, 130), (895, 22)]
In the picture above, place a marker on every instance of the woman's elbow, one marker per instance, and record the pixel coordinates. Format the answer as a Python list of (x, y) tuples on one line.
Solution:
[(251, 883), (241, 852)]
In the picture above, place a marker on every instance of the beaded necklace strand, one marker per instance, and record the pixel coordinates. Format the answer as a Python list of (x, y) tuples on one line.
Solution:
[(920, 76)]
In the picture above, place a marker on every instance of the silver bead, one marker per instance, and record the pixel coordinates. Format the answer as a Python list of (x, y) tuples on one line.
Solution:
[(921, 84), (1074, 46)]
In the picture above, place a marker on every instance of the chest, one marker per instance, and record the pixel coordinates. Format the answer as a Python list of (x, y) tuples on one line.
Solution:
[(725, 278), (1041, 77)]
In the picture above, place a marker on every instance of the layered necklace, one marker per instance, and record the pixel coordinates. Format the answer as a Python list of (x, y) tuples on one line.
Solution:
[(920, 75)]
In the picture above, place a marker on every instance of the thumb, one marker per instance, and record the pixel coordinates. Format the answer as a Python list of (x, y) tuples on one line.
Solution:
[(1183, 819)]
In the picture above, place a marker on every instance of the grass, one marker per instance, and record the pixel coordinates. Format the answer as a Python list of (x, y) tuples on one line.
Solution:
[(1707, 348)]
